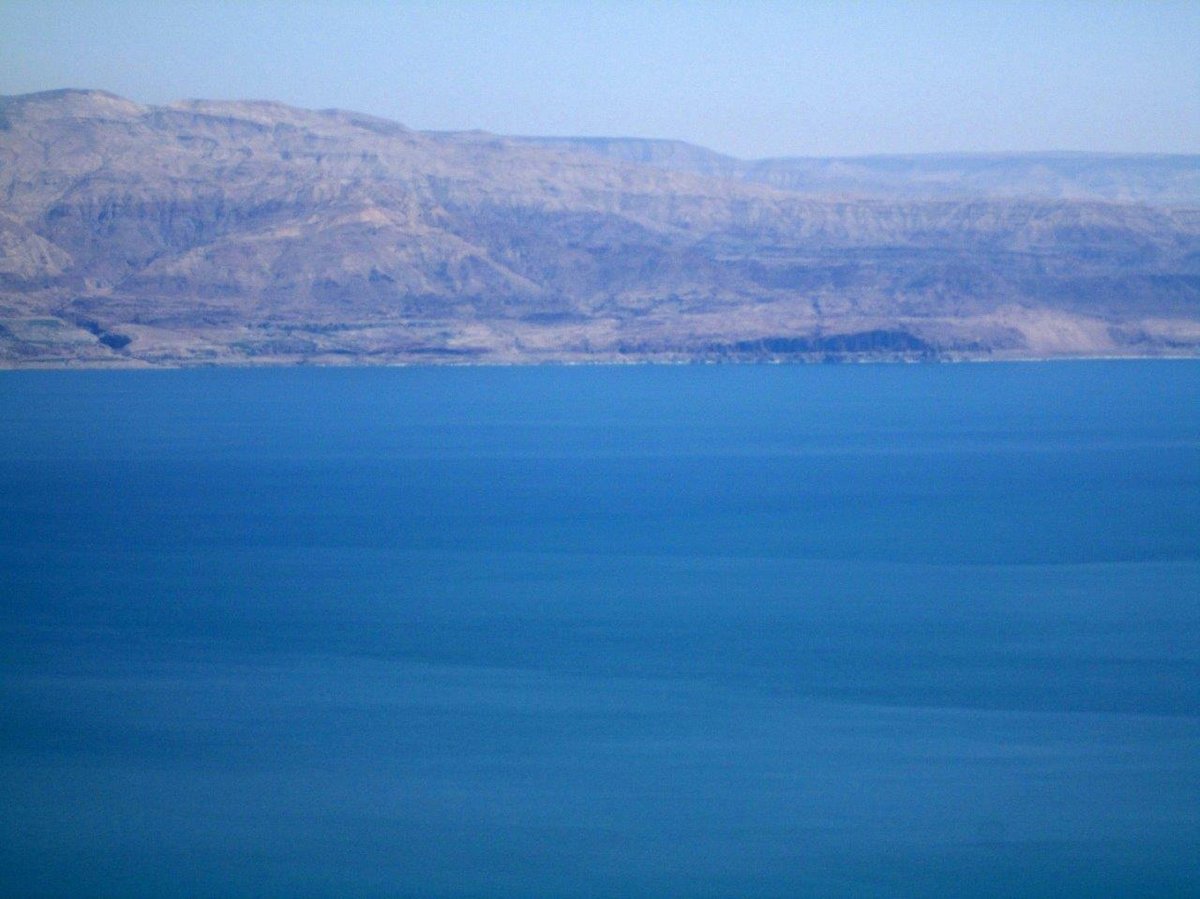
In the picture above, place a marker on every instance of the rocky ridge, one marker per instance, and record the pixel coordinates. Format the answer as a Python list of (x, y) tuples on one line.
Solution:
[(208, 232)]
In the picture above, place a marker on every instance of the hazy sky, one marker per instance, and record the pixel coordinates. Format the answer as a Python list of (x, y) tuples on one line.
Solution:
[(752, 79)]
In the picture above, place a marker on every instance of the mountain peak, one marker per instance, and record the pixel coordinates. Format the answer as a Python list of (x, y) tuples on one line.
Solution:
[(72, 103)]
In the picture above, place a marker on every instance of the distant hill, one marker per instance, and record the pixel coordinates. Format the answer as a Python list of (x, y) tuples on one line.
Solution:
[(1164, 180), (208, 232)]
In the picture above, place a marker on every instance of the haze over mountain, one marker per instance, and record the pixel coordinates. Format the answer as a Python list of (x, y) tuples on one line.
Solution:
[(247, 232), (1116, 177)]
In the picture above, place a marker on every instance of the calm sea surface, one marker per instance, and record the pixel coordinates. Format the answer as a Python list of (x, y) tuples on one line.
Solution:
[(644, 631)]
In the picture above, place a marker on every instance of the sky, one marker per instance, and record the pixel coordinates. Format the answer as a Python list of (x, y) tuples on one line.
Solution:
[(753, 79)]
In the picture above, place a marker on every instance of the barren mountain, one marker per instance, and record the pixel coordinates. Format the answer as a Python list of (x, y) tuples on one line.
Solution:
[(1163, 180), (249, 232)]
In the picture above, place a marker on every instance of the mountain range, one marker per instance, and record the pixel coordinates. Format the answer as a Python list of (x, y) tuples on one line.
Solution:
[(220, 232)]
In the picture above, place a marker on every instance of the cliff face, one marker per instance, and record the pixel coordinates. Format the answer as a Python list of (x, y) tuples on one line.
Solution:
[(218, 232)]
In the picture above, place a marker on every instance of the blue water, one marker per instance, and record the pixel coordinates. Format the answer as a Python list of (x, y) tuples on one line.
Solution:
[(679, 631)]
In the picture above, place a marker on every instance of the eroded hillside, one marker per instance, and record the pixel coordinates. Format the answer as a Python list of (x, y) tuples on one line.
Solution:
[(218, 232)]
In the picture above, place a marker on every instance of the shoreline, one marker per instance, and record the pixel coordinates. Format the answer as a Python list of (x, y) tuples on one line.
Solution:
[(281, 363)]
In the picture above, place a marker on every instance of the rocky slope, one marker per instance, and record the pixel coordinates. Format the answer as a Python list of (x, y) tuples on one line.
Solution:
[(218, 232)]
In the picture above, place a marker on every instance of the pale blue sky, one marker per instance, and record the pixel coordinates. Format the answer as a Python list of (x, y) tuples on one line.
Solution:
[(752, 79)]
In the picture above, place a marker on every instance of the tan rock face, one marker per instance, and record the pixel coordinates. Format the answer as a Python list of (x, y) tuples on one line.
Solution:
[(26, 255), (254, 232)]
